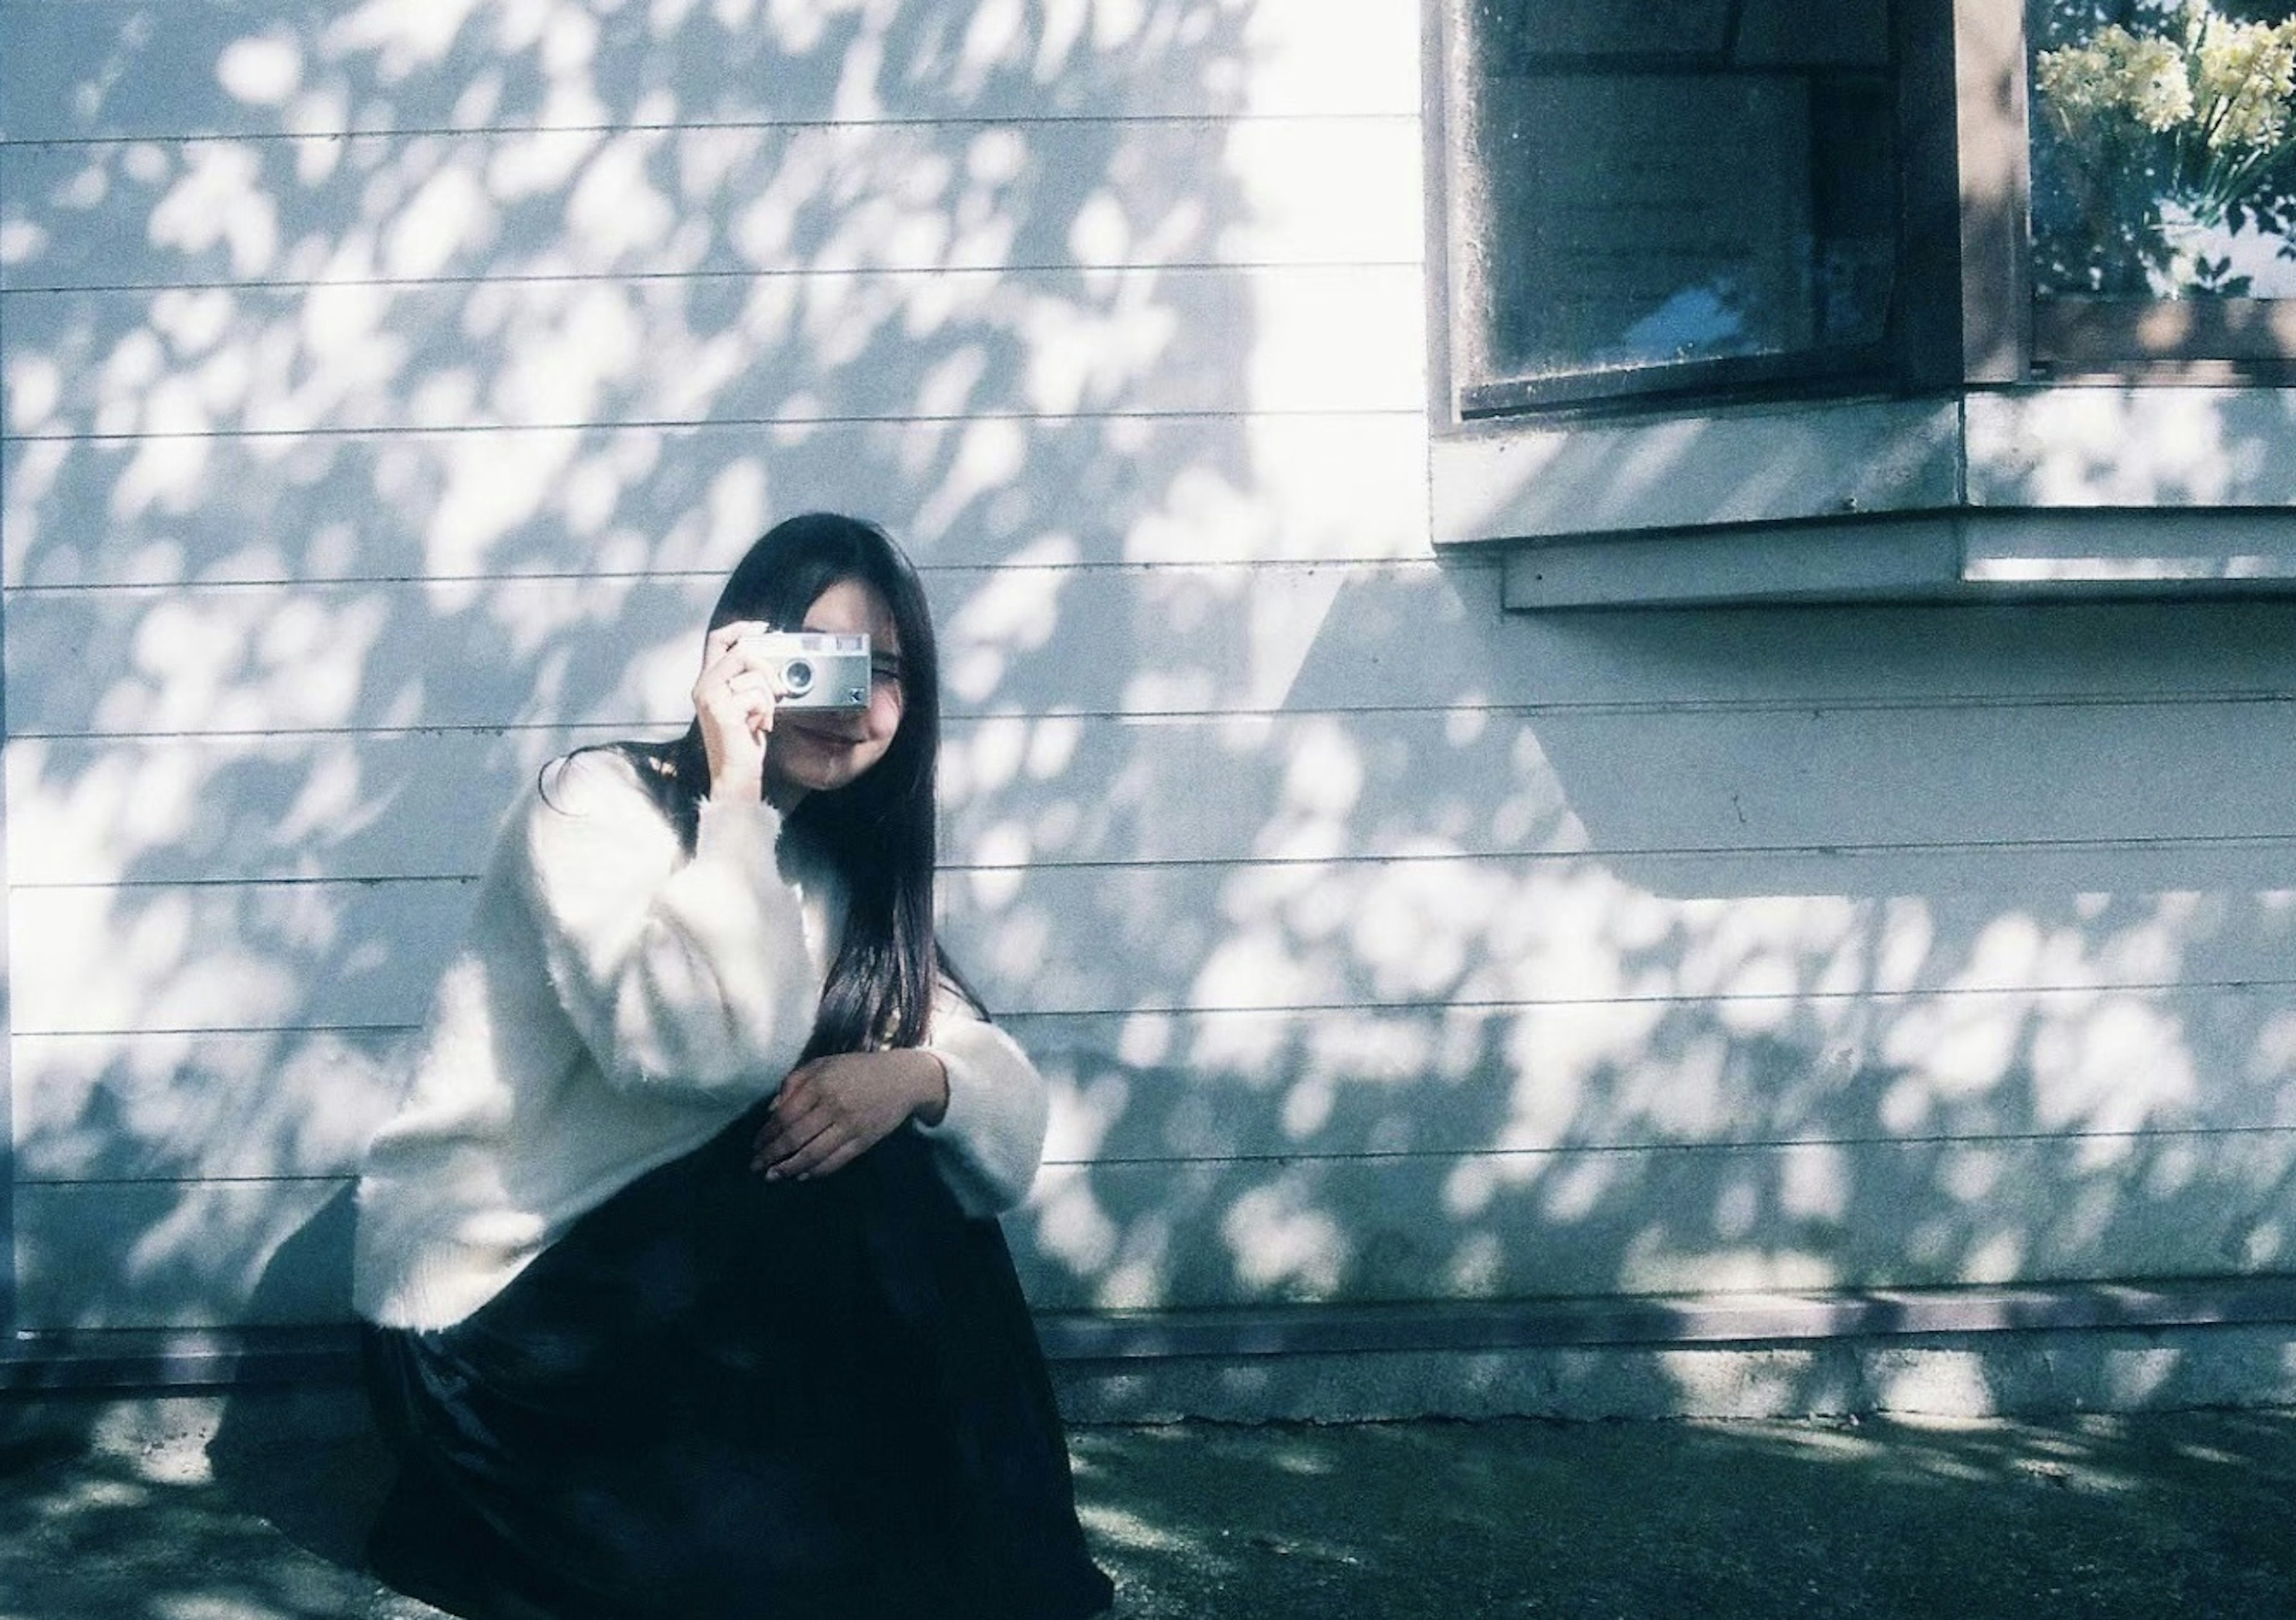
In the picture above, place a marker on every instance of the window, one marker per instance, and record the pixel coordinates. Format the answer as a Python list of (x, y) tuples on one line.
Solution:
[(1668, 200), (2163, 184), (1768, 298)]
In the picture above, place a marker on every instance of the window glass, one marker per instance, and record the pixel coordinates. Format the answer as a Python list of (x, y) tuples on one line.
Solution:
[(2163, 148), (1666, 197)]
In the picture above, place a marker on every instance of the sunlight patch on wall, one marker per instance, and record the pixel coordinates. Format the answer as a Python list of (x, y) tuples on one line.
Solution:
[(1952, 1050), (1469, 1188), (2083, 446), (1282, 1241), (450, 214), (1202, 514), (1308, 488), (1476, 1268), (404, 39), (1073, 1226), (1365, 173), (2273, 1058), (1082, 1112), (1284, 627), (145, 965), (1412, 935), (2110, 1064), (220, 200), (999, 869), (1814, 1181), (194, 1106), (490, 487), (245, 663), (1244, 970), (1296, 61), (1139, 1277), (264, 69), (1936, 1381), (1656, 1262), (1295, 365), (991, 456), (1016, 612), (1753, 963), (1323, 777), (2138, 1376), (96, 822), (1081, 357)]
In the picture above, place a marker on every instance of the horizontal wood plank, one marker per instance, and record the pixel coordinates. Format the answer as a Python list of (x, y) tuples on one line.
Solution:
[(1705, 1220), (1735, 786), (2104, 1068), (620, 650), (101, 69), (822, 197), (817, 346), (2131, 447), (199, 1255), (978, 493), (1439, 930), (1046, 636), (201, 1106), (1667, 1220)]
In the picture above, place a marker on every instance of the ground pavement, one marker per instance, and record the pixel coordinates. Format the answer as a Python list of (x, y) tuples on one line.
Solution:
[(248, 1506)]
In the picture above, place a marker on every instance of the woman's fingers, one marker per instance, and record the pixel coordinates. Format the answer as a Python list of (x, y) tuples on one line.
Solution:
[(822, 1157), (776, 1139), (832, 1110), (753, 697), (734, 660), (727, 636), (733, 698), (823, 1120), (792, 1142)]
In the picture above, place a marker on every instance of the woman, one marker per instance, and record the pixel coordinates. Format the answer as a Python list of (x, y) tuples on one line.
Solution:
[(682, 1291)]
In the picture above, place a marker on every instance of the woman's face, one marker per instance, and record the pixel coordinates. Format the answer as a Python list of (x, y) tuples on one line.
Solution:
[(816, 749)]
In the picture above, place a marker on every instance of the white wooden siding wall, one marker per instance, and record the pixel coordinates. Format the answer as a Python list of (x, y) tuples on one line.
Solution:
[(366, 443), (389, 385)]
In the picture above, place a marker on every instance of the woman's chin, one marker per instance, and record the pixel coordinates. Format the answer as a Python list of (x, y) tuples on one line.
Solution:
[(817, 765)]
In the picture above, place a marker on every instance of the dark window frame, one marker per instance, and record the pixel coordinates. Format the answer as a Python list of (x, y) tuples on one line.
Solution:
[(2207, 339), (1967, 315), (1916, 315), (1934, 485)]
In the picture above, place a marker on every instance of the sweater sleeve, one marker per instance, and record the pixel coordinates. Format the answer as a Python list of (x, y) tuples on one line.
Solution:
[(679, 974), (990, 1140)]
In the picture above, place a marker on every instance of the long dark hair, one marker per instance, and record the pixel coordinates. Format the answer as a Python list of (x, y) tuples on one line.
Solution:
[(879, 830)]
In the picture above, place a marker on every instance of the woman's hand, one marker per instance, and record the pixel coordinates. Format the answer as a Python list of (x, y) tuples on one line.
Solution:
[(832, 1110), (734, 699)]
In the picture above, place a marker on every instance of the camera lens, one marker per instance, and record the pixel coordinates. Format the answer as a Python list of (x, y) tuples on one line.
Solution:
[(797, 677)]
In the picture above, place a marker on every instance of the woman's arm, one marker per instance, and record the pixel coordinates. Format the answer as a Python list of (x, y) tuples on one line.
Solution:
[(836, 1108), (990, 1138), (970, 1090), (692, 975)]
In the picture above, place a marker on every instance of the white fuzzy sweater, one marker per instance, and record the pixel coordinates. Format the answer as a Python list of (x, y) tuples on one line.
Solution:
[(615, 1005)]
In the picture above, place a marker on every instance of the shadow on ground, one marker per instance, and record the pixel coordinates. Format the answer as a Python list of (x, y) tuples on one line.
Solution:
[(251, 1508), (2101, 1517)]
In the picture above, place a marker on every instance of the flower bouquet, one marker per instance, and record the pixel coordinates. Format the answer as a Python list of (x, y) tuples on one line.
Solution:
[(2164, 158)]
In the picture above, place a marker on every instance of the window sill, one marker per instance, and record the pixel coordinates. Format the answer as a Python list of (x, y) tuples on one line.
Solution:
[(2066, 490)]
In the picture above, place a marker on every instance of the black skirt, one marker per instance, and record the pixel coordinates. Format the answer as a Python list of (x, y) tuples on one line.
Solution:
[(719, 1396)]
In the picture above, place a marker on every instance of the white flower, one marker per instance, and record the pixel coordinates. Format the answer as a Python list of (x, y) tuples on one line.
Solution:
[(2077, 80), (2245, 73), (2154, 85)]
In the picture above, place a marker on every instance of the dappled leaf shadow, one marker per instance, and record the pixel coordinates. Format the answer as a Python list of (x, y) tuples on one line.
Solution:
[(387, 438)]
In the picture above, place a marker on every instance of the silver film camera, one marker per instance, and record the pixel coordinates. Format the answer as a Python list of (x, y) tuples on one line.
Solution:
[(818, 670)]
